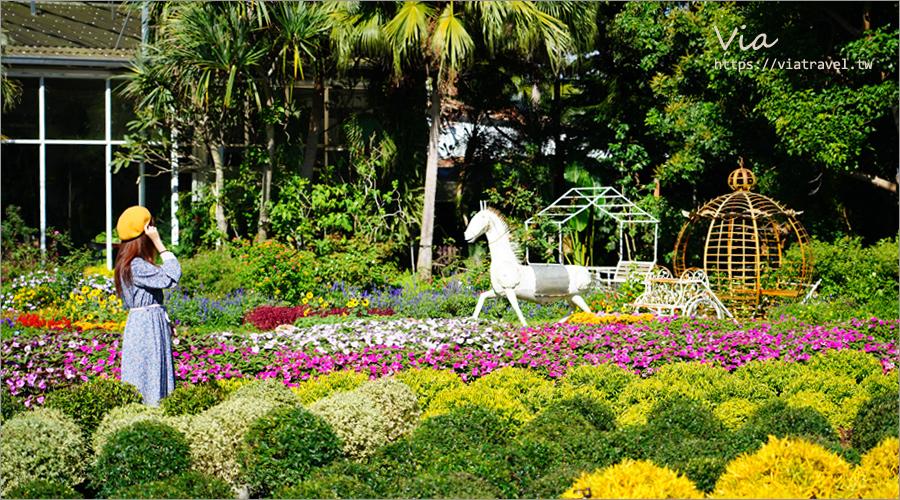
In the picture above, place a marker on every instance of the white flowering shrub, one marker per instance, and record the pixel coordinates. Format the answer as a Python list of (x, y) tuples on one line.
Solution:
[(371, 416), (41, 444), (216, 433), (270, 389), (124, 416)]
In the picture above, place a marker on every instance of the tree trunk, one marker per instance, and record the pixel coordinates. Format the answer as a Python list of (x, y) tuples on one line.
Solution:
[(266, 192), (221, 222), (431, 169), (315, 125), (874, 180)]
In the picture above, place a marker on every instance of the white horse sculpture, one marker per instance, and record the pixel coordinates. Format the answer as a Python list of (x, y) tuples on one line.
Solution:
[(542, 284)]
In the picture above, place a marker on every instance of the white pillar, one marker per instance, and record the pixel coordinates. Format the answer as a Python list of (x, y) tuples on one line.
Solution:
[(142, 186), (174, 188), (108, 173), (42, 162)]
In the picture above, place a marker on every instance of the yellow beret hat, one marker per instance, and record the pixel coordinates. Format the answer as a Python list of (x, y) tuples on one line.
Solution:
[(131, 222)]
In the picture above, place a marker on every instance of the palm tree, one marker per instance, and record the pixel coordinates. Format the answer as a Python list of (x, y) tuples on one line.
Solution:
[(440, 37)]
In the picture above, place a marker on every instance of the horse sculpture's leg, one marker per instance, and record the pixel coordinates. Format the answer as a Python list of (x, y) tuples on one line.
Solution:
[(576, 301), (481, 298), (514, 302)]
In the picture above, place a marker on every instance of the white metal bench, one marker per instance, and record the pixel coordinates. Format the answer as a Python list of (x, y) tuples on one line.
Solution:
[(625, 269), (664, 294)]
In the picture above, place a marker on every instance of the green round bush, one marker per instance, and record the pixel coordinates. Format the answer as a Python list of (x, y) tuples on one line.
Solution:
[(684, 418), (140, 453), (9, 404), (779, 419), (565, 429), (41, 488), (330, 486), (284, 446), (89, 402), (41, 444), (606, 380), (191, 399), (876, 420), (556, 481), (427, 382), (451, 485), (190, 484), (529, 459), (463, 428)]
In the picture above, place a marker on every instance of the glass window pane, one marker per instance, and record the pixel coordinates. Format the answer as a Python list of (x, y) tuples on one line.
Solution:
[(21, 181), (21, 122), (75, 108), (122, 113), (76, 191)]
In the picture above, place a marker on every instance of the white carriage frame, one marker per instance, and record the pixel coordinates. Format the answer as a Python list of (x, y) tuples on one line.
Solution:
[(611, 203)]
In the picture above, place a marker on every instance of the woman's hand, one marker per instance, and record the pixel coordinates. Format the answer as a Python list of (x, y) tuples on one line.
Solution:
[(153, 234)]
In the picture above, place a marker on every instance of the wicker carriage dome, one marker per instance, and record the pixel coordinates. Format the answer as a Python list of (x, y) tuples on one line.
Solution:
[(744, 254)]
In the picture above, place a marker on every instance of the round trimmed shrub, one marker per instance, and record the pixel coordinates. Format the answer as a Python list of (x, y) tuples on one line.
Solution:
[(734, 412), (332, 486), (876, 420), (774, 374), (216, 434), (534, 391), (270, 389), (606, 380), (190, 484), (786, 468), (191, 399), (42, 488), (310, 391), (41, 444), (599, 414), (89, 402), (283, 446), (462, 428), (504, 403), (877, 474), (124, 416), (427, 383), (371, 416), (140, 453), (777, 418), (857, 365), (555, 481), (436, 485), (682, 418), (633, 479)]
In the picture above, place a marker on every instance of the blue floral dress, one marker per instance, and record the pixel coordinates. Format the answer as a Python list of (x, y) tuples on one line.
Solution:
[(147, 343)]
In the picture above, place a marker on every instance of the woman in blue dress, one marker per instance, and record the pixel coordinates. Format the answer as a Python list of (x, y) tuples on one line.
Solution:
[(147, 343)]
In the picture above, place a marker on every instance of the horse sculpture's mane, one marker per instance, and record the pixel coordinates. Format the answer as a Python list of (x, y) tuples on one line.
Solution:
[(504, 229)]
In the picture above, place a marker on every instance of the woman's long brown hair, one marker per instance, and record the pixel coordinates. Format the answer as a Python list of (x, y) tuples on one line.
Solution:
[(139, 247)]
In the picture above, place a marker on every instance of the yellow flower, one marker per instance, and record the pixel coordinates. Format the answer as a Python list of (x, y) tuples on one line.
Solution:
[(305, 300), (85, 290), (277, 291), (365, 302), (309, 295), (324, 305)]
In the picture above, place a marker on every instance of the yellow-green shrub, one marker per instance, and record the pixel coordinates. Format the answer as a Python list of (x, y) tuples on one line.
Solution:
[(216, 433), (877, 383), (846, 362), (785, 468), (836, 396), (774, 374), (534, 391), (633, 479), (309, 391), (603, 381), (229, 385), (878, 474), (41, 444), (508, 408), (427, 382), (734, 412)]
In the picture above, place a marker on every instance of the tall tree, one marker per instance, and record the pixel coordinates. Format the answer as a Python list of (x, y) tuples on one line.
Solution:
[(439, 38)]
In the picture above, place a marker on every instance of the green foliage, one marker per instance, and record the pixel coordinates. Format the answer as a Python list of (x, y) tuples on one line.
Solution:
[(124, 416), (876, 420), (531, 389), (283, 446), (427, 383), (505, 403), (189, 484), (140, 453), (41, 488), (330, 486), (310, 391), (554, 482), (212, 272), (276, 270), (605, 381), (450, 485), (371, 416), (779, 419), (191, 399), (10, 404), (43, 444), (89, 402), (460, 429)]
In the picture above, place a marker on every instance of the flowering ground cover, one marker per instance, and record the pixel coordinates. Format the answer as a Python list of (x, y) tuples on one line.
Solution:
[(36, 361)]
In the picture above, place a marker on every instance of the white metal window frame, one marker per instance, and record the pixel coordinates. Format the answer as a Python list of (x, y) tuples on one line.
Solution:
[(42, 142)]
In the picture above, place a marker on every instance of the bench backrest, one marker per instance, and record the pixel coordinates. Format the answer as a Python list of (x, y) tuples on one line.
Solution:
[(626, 268)]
